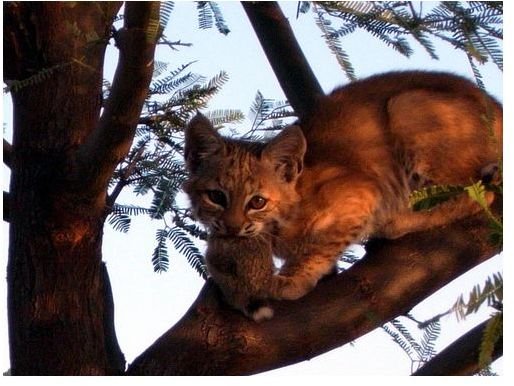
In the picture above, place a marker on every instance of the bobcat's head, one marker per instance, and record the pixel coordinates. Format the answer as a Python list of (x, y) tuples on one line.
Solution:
[(241, 188)]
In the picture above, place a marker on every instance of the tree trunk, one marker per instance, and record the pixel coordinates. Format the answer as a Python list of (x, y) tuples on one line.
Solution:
[(59, 299), (392, 278)]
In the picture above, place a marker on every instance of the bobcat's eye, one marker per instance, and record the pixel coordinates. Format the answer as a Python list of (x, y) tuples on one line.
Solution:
[(217, 197), (257, 202)]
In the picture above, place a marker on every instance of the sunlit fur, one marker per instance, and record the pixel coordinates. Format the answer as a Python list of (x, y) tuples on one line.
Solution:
[(241, 170), (369, 144)]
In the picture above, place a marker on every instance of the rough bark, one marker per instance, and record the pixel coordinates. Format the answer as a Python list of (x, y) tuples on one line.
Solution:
[(284, 54), (462, 356), (392, 278), (60, 309)]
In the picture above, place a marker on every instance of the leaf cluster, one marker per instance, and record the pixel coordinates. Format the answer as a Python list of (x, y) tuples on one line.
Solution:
[(154, 168), (431, 196), (419, 349), (474, 28), (491, 295), (268, 114), (209, 13)]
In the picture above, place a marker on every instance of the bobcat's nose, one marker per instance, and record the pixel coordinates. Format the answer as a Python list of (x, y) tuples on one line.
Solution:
[(233, 227), (232, 230), (233, 221)]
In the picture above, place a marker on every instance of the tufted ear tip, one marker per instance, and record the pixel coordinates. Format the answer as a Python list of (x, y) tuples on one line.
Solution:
[(199, 120), (201, 141), (286, 151)]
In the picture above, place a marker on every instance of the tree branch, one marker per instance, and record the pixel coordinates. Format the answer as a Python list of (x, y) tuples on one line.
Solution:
[(7, 149), (111, 140), (6, 207), (284, 54), (461, 357), (115, 357), (124, 177), (392, 278)]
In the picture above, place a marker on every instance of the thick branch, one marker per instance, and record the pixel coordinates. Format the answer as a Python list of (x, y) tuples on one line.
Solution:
[(115, 357), (7, 148), (6, 207), (393, 277), (111, 140), (461, 357), (284, 54)]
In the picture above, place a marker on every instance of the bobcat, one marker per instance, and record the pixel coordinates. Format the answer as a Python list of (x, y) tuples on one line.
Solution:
[(346, 174)]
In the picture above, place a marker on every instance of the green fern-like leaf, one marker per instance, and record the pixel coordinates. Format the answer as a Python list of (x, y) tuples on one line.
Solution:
[(119, 221), (406, 341), (400, 340), (330, 36), (209, 14), (429, 197), (492, 333), (477, 192), (264, 109), (165, 12), (186, 247), (164, 197), (431, 333), (220, 117), (473, 28), (173, 81), (490, 294), (130, 210), (160, 259)]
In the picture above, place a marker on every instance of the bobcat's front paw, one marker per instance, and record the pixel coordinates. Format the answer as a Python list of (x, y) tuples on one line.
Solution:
[(295, 290)]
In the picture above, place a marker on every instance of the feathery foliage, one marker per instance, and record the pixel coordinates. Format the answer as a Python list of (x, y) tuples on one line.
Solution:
[(429, 197), (474, 28), (160, 259), (490, 294), (154, 168), (183, 244), (268, 114), (419, 349), (209, 13)]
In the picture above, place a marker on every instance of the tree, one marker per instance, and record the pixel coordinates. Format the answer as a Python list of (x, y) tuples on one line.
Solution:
[(65, 153)]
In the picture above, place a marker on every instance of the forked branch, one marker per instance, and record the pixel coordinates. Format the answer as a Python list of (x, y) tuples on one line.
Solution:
[(111, 140)]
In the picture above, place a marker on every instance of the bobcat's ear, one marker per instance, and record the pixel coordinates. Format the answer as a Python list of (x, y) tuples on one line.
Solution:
[(286, 152), (201, 141)]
